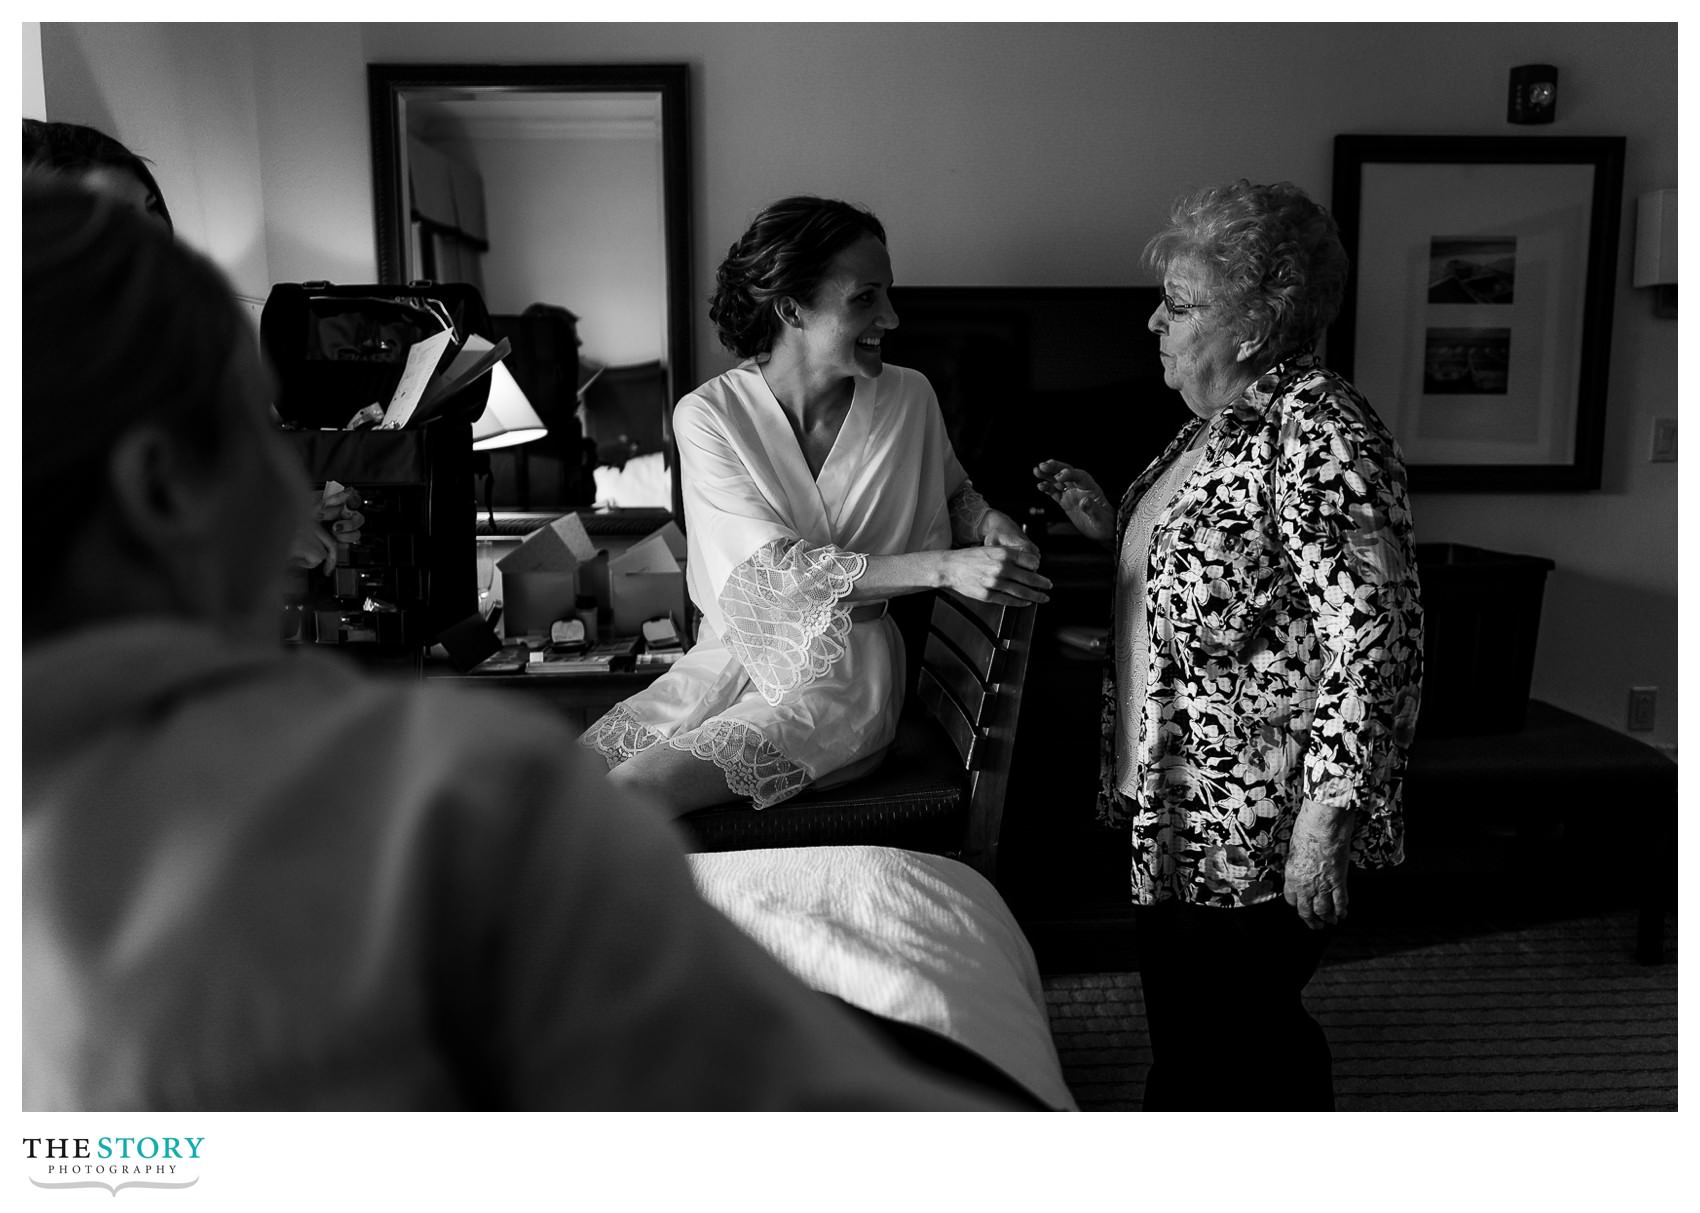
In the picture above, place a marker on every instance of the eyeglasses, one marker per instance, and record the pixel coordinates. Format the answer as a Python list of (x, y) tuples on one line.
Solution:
[(1179, 311)]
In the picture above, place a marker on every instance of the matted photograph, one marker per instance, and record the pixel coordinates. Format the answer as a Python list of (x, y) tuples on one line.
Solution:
[(1466, 362), (1481, 274), (1463, 269)]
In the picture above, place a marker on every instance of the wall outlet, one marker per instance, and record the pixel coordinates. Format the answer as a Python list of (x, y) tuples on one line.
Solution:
[(1664, 440), (1643, 708)]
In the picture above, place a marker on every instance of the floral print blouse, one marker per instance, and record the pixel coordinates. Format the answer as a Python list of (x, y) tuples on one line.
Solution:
[(1285, 644)]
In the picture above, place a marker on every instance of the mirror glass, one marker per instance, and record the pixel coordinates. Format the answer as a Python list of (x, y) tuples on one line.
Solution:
[(559, 192)]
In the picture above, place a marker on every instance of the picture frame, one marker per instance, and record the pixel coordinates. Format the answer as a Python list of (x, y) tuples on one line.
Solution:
[(1478, 307)]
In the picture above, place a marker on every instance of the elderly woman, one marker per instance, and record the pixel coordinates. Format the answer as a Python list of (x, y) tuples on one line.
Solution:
[(818, 484), (1266, 659)]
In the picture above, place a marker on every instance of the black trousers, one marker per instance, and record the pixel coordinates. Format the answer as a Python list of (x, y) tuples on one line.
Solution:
[(1224, 1005)]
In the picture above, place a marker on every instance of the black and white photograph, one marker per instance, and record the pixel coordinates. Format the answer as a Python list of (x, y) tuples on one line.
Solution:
[(1464, 270), (1466, 362), (1116, 575)]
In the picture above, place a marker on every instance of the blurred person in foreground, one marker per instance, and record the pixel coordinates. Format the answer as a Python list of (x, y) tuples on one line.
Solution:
[(103, 165), (259, 880), (1265, 662)]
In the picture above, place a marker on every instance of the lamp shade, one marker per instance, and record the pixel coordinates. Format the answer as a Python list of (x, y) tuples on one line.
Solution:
[(1655, 239), (508, 418)]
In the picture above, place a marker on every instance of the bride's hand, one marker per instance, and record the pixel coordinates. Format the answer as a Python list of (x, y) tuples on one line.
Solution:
[(1000, 531), (1004, 575)]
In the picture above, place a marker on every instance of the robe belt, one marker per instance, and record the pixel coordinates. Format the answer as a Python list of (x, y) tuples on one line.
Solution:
[(866, 612)]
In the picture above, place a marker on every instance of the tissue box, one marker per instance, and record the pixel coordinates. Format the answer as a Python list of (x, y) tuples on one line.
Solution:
[(541, 577), (647, 579)]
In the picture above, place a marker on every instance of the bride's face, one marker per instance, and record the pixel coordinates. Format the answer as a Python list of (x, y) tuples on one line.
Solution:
[(843, 326)]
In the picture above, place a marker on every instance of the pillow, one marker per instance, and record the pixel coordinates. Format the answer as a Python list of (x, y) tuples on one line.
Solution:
[(644, 481)]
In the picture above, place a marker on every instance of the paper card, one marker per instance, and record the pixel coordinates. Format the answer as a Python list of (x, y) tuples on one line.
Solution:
[(475, 358), (422, 359), (560, 547), (654, 553), (674, 538)]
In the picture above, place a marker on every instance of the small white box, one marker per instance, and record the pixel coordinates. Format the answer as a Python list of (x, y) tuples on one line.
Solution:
[(648, 579), (542, 577)]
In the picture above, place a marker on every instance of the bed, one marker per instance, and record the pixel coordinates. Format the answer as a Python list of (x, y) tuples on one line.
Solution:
[(921, 946)]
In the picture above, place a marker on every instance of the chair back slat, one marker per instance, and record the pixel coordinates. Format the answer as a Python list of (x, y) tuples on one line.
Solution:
[(967, 632), (990, 780), (947, 665), (944, 708), (992, 618), (966, 664)]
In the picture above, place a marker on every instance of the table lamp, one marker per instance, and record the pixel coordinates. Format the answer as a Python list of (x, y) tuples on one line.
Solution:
[(508, 418)]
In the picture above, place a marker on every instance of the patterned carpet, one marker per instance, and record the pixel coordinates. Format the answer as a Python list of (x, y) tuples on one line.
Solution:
[(1552, 1016)]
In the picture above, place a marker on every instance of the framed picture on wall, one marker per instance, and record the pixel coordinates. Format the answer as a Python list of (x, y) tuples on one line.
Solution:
[(1477, 317)]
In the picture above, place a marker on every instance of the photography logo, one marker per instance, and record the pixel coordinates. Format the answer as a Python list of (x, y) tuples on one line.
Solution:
[(113, 1163)]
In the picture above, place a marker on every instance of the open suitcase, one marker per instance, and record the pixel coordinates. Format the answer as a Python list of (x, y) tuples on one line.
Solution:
[(336, 350)]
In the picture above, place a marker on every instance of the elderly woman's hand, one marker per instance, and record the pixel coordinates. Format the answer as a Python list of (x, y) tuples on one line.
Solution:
[(1086, 505), (1317, 861)]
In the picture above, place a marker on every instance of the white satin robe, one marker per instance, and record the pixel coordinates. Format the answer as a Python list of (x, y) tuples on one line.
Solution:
[(781, 688)]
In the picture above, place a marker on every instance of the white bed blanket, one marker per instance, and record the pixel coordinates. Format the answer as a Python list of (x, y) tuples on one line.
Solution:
[(917, 938)]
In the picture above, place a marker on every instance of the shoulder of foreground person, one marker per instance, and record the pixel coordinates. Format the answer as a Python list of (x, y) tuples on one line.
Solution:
[(456, 868)]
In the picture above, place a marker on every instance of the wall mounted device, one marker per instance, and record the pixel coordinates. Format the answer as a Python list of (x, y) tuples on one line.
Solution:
[(1534, 94)]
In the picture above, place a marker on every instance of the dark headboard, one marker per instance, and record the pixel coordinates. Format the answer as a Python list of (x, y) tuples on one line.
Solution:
[(1028, 373), (625, 409)]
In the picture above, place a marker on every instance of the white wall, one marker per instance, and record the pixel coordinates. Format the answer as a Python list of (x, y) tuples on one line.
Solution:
[(315, 153), (577, 222), (34, 89), (183, 97), (1046, 155)]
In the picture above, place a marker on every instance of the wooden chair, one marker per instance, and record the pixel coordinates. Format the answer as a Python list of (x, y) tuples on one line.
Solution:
[(941, 787)]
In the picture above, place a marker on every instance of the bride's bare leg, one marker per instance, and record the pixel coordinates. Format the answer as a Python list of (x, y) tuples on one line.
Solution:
[(675, 779)]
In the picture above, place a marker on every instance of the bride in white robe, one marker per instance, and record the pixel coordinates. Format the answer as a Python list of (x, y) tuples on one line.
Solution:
[(818, 483)]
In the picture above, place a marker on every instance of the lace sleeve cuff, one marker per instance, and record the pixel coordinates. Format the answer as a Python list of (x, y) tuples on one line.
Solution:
[(968, 512), (783, 618)]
